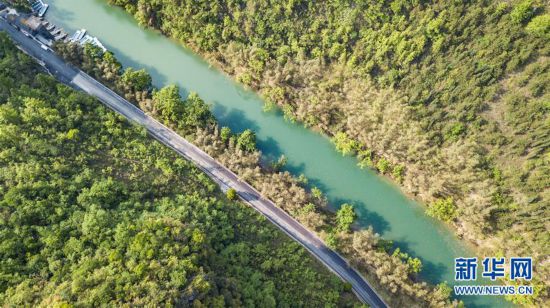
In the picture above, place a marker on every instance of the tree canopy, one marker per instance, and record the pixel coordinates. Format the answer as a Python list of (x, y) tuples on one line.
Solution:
[(345, 217), (442, 95), (95, 212)]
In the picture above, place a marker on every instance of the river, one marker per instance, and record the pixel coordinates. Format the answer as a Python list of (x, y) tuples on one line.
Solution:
[(377, 201)]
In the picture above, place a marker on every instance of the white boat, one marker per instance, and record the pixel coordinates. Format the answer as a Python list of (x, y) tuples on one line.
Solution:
[(43, 10), (92, 40), (78, 35)]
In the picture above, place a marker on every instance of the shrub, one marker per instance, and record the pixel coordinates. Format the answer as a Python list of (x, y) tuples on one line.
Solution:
[(344, 144), (247, 141), (225, 133), (383, 165), (443, 209), (345, 217), (523, 11), (540, 26), (231, 194)]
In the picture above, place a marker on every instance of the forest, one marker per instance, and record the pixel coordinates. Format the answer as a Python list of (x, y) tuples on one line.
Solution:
[(448, 98), (393, 273), (94, 212)]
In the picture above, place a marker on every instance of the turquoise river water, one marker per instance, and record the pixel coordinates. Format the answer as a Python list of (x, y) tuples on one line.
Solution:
[(378, 202)]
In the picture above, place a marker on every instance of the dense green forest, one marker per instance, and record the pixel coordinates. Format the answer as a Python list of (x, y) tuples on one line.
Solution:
[(450, 98), (93, 212)]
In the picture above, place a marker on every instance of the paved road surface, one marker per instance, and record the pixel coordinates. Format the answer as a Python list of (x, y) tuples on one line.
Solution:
[(221, 175)]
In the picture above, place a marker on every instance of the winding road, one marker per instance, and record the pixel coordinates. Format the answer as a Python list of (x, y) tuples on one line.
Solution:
[(224, 177)]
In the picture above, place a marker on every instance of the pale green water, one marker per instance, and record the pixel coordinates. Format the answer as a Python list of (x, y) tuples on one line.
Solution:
[(378, 202)]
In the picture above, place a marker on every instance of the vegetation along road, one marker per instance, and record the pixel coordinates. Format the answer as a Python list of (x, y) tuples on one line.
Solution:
[(221, 175)]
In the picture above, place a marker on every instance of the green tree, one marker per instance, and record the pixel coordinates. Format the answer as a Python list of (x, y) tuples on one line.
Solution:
[(344, 144), (540, 26), (397, 172), (317, 193), (443, 209), (225, 133), (383, 165), (415, 265), (331, 240), (137, 80), (231, 194), (247, 141), (168, 104), (365, 159), (110, 67), (523, 11), (345, 217), (197, 112)]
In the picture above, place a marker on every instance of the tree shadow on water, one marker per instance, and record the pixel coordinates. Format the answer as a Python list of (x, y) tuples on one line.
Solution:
[(234, 119), (270, 149), (365, 217), (218, 110), (431, 271), (159, 79)]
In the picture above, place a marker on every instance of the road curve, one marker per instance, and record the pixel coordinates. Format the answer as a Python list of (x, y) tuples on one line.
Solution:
[(220, 174)]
